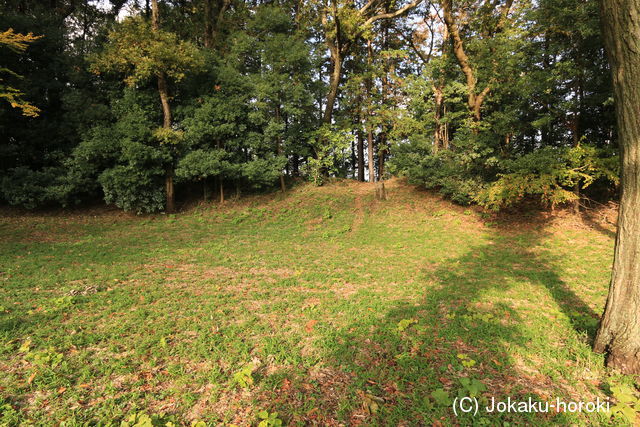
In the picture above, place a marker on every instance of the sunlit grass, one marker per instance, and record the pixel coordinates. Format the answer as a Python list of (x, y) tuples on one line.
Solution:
[(340, 308)]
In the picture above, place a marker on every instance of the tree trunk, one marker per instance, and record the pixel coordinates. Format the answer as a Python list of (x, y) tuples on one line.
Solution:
[(438, 133), (221, 181), (381, 192), (360, 149), (474, 100), (208, 24), (163, 90), (577, 135), (296, 165), (334, 85), (370, 148), (382, 151), (168, 187), (619, 331)]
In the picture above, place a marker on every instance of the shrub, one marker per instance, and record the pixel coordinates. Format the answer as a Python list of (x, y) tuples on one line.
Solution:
[(133, 189), (550, 174)]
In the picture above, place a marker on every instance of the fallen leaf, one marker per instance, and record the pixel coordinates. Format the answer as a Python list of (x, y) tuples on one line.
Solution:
[(310, 324)]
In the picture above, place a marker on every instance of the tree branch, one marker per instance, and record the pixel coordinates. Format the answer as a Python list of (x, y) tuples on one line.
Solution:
[(393, 14)]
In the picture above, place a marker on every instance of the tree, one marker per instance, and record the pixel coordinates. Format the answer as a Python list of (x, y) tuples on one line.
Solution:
[(475, 98), (18, 43), (619, 331), (142, 51), (343, 25)]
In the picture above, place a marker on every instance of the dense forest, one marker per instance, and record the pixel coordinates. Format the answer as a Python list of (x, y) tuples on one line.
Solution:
[(149, 103)]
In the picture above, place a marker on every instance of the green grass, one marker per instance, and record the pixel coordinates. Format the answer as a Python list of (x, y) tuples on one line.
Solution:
[(324, 306)]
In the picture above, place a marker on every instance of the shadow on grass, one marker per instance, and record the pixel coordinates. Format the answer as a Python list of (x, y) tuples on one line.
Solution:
[(477, 319), (597, 225)]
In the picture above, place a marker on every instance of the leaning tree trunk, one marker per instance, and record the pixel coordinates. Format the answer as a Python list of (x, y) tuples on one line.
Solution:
[(334, 85), (163, 90), (619, 331)]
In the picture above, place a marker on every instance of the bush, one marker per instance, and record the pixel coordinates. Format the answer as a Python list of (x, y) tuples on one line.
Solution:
[(550, 174), (442, 171), (133, 189), (29, 189)]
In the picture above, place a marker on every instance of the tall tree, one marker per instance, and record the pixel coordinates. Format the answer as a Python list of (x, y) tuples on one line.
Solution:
[(163, 90), (475, 97), (143, 52), (619, 332), (344, 24)]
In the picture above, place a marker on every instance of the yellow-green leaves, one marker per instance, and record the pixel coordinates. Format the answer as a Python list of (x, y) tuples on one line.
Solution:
[(405, 323), (18, 43), (168, 136), (141, 53)]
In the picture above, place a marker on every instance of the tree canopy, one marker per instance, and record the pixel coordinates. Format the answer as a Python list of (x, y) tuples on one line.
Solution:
[(492, 102)]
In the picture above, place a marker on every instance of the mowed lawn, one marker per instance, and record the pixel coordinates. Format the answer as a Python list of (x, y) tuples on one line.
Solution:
[(323, 305)]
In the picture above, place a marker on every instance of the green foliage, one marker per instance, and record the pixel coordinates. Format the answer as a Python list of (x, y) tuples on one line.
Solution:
[(201, 164), (133, 189), (244, 376), (141, 53), (441, 397), (142, 419), (329, 145), (269, 419), (24, 187), (471, 387), (550, 174), (124, 157), (443, 171), (405, 323), (265, 171), (627, 403), (466, 361)]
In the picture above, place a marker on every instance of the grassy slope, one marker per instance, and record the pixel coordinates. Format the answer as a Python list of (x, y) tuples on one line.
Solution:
[(109, 315)]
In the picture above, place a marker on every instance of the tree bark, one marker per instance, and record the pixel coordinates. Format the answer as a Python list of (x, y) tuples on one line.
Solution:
[(370, 149), (382, 151), (334, 85), (474, 99), (163, 90), (168, 187), (619, 331), (360, 149), (208, 24), (438, 134), (370, 142)]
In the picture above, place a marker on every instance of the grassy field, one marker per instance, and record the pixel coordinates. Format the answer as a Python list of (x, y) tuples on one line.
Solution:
[(323, 306)]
